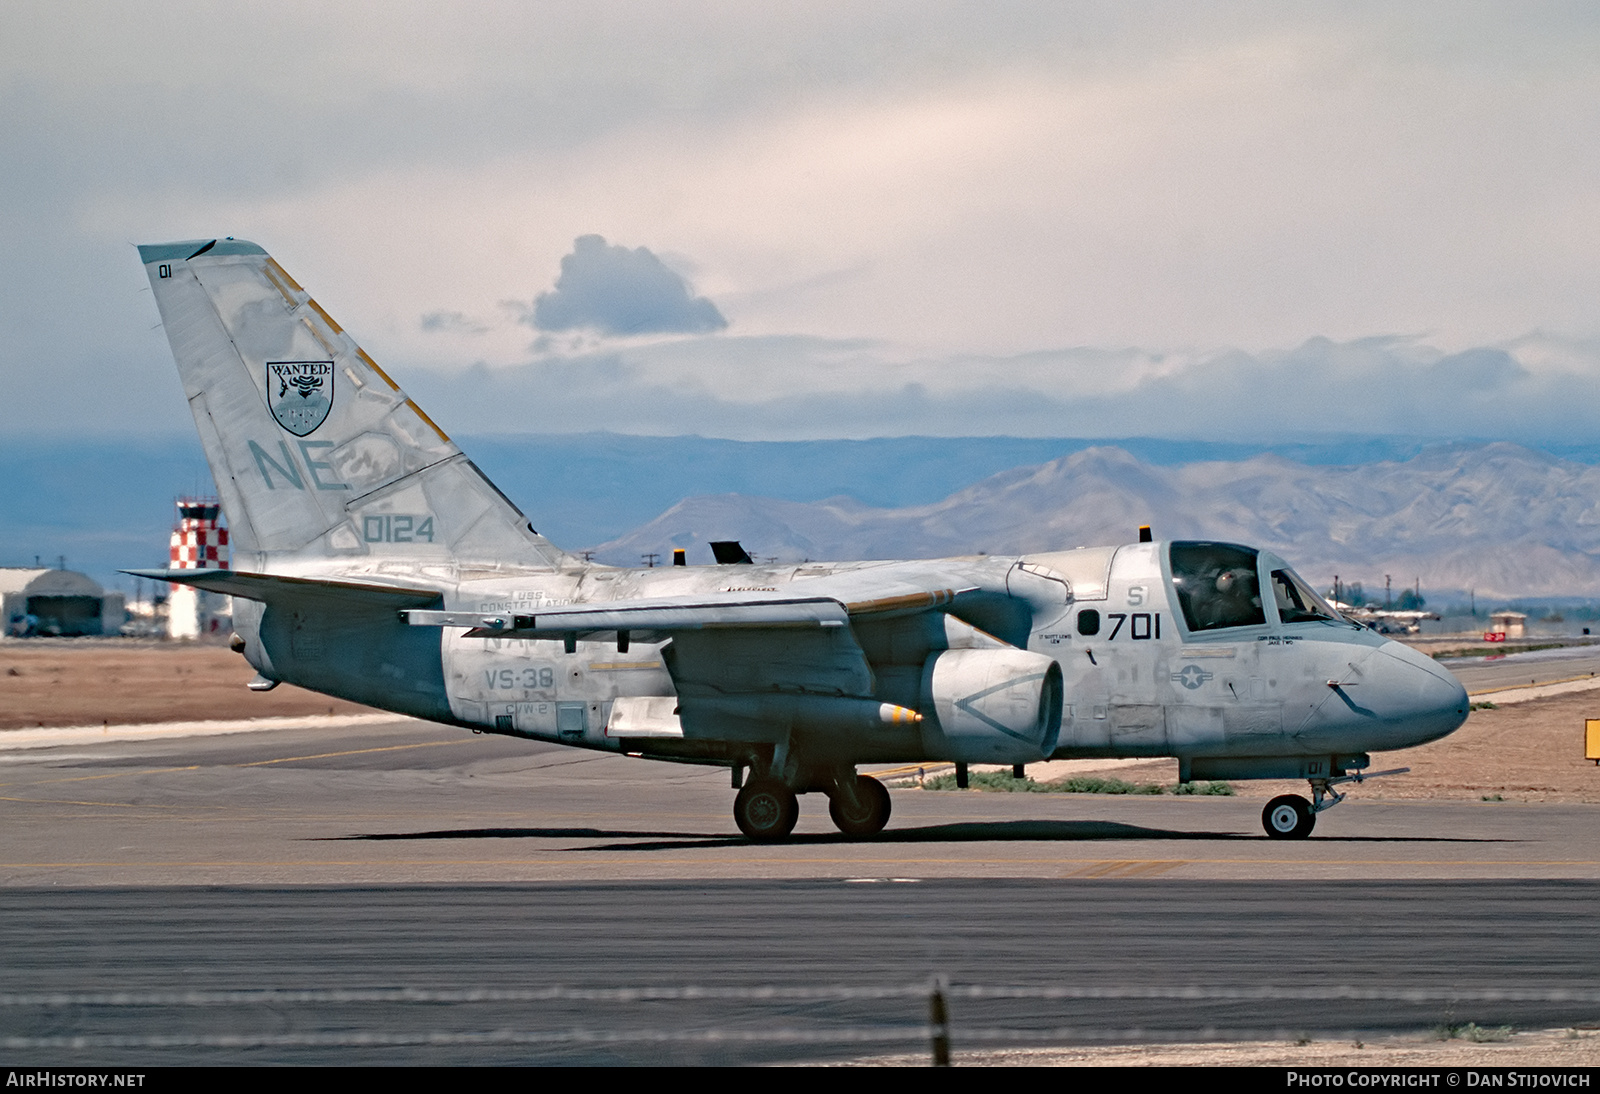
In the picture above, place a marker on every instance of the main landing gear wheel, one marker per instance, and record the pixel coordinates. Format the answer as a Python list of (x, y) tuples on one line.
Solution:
[(766, 810), (870, 814), (1288, 817)]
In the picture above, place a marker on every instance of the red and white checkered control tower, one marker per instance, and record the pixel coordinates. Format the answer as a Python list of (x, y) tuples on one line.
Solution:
[(198, 543)]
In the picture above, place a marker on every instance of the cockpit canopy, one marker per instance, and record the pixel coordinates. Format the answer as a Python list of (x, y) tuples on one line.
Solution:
[(1219, 586)]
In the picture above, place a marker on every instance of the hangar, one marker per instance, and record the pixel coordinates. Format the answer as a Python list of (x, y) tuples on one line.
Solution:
[(61, 603)]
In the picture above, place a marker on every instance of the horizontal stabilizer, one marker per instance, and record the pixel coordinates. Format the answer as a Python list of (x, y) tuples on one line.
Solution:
[(266, 587)]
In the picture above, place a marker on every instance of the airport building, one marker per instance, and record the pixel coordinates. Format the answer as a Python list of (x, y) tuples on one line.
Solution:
[(1508, 623), (64, 603)]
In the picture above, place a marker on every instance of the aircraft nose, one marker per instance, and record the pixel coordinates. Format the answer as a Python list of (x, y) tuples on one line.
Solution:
[(1417, 698)]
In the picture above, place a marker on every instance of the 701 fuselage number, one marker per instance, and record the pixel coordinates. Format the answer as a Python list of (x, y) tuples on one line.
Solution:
[(1141, 625)]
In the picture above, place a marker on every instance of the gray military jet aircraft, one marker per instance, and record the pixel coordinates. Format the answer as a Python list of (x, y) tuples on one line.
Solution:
[(373, 561)]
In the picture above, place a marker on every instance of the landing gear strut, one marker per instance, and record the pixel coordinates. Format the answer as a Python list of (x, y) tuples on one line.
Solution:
[(867, 814), (766, 810), (1289, 816)]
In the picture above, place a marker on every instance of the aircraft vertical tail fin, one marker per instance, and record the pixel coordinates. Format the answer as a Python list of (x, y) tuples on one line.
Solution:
[(316, 452)]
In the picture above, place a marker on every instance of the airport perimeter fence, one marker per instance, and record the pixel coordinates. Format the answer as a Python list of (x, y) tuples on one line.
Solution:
[(333, 1016)]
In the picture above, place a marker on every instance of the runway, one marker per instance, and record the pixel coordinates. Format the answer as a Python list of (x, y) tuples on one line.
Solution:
[(492, 900), (1493, 672), (785, 970), (415, 803)]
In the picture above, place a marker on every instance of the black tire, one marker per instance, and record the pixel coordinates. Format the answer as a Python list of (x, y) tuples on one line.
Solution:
[(1288, 816), (870, 819), (766, 810)]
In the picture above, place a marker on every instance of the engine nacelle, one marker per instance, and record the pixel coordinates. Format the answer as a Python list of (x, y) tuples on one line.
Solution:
[(996, 706)]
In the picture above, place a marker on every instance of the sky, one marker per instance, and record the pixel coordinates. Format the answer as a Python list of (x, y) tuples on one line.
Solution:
[(1222, 221)]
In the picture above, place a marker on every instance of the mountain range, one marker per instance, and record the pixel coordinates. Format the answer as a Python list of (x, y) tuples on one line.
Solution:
[(1497, 519)]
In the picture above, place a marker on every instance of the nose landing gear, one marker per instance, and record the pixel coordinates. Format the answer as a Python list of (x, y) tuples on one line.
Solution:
[(1289, 816)]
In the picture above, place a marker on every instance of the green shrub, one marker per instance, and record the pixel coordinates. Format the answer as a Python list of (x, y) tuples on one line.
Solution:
[(1220, 789)]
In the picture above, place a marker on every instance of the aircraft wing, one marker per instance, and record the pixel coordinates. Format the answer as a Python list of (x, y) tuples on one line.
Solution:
[(714, 610), (792, 641)]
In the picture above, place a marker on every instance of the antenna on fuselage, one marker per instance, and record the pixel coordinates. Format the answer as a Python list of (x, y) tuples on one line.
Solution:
[(1144, 533)]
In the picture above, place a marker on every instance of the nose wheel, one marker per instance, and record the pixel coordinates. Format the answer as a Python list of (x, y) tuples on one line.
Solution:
[(1288, 816)]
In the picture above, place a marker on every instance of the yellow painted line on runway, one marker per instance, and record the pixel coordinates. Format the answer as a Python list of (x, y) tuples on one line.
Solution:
[(1130, 868), (197, 767), (88, 778), (191, 767), (70, 801), (351, 752), (1101, 869), (909, 768)]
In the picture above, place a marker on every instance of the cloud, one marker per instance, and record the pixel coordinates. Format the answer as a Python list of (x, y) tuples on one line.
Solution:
[(771, 388), (1481, 369), (454, 322), (613, 290), (961, 191)]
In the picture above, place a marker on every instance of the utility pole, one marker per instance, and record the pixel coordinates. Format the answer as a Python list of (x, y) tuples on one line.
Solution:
[(650, 559), (1386, 604)]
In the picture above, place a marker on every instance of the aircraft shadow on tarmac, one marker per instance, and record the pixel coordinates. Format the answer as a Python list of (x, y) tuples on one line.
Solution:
[(1042, 831)]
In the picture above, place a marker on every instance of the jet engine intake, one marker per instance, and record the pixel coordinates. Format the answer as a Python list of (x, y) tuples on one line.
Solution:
[(991, 706)]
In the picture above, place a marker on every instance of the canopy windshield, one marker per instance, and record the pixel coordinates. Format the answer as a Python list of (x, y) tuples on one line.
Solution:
[(1217, 585), (1297, 603)]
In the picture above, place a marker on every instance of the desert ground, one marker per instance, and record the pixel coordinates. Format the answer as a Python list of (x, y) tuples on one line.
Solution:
[(120, 681)]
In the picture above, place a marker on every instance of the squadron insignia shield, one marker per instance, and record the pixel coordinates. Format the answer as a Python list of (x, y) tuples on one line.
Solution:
[(300, 394)]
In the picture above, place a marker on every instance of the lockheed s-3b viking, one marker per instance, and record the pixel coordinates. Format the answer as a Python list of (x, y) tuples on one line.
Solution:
[(373, 561)]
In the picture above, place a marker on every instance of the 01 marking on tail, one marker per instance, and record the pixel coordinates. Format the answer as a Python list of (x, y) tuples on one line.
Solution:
[(378, 564)]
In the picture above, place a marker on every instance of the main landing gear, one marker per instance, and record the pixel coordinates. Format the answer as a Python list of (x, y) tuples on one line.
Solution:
[(766, 809), (864, 810), (1289, 816)]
